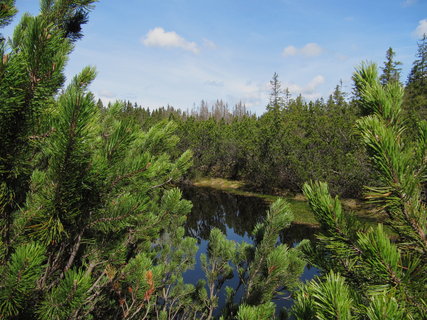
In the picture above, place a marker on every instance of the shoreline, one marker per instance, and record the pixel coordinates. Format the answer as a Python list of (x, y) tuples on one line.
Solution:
[(298, 202)]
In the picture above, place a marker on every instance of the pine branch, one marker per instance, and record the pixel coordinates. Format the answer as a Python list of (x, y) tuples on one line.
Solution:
[(74, 252), (129, 175), (42, 136)]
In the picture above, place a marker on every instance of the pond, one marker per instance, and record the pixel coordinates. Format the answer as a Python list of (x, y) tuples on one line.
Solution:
[(236, 216)]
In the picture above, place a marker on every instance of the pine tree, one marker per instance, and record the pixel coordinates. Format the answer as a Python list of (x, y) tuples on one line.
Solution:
[(418, 74), (276, 94), (85, 194), (385, 278), (415, 91), (217, 267), (30, 74), (391, 70), (68, 16)]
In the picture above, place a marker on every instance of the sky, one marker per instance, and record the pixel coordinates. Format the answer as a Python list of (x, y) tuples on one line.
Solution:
[(178, 52)]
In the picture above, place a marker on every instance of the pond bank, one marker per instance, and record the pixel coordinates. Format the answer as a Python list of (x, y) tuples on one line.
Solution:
[(298, 203)]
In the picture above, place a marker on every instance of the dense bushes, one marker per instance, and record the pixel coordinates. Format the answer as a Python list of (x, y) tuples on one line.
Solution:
[(289, 144)]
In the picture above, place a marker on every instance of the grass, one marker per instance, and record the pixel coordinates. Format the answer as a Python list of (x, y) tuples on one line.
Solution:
[(218, 183)]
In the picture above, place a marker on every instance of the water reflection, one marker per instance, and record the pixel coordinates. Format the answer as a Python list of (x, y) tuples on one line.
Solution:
[(296, 233), (234, 215), (215, 209)]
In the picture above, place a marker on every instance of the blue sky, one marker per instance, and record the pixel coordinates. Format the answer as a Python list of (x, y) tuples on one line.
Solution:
[(178, 52)]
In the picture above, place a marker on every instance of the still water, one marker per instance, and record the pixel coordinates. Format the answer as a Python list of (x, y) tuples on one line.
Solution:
[(236, 216)]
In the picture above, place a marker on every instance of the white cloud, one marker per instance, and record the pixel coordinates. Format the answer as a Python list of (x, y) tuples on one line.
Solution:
[(290, 51), (309, 50), (253, 94), (314, 83), (308, 90), (421, 28), (158, 37)]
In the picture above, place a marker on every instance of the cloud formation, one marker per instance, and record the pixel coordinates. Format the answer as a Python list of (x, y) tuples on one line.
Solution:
[(314, 83), (309, 50), (158, 37), (421, 28), (290, 51), (308, 90)]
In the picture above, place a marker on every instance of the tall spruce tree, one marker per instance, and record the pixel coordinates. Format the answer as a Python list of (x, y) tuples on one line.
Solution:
[(418, 75), (416, 85), (391, 70), (276, 94)]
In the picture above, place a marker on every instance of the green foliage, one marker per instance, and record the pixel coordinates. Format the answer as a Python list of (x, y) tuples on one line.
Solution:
[(324, 300), (286, 146), (266, 269), (400, 164), (415, 90), (177, 255), (67, 179), (141, 280), (91, 189), (384, 276), (7, 11), (217, 267), (271, 268), (30, 76), (382, 256), (19, 278), (263, 311), (95, 193), (338, 228), (220, 252), (146, 280), (65, 300), (385, 306), (68, 18)]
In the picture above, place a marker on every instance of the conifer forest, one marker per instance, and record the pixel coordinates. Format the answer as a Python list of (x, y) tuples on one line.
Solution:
[(93, 216)]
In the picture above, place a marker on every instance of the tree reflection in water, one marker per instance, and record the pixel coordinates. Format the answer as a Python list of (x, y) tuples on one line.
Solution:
[(234, 215), (215, 209)]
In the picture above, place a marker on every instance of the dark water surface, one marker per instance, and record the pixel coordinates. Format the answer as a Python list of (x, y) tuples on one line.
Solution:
[(236, 216)]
